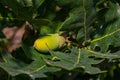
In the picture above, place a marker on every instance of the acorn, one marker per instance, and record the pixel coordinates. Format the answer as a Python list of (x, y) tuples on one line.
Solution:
[(49, 42)]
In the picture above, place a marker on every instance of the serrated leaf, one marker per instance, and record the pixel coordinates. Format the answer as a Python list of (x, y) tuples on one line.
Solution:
[(35, 69), (78, 58), (110, 56), (111, 34)]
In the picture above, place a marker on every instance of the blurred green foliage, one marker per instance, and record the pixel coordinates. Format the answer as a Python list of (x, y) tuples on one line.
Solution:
[(91, 26)]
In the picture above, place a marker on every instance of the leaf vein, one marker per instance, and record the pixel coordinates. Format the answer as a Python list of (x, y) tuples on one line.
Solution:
[(78, 58), (40, 68), (107, 35)]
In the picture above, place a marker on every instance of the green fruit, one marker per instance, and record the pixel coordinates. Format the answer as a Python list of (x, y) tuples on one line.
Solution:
[(49, 42), (44, 30)]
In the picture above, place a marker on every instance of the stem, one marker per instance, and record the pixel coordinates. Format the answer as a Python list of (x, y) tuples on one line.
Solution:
[(85, 21)]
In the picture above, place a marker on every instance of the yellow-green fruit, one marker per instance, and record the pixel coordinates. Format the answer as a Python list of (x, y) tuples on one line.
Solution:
[(49, 42)]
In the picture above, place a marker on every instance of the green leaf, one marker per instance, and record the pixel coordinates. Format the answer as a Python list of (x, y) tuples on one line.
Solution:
[(39, 22), (80, 19), (111, 57), (24, 9), (33, 54), (77, 59), (110, 32), (35, 69), (69, 3), (81, 15), (30, 52), (37, 3)]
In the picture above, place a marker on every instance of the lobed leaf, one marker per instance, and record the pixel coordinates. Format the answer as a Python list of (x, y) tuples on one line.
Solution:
[(78, 58), (111, 31), (35, 69)]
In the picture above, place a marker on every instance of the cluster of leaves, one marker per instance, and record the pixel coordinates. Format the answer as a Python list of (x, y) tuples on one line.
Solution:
[(92, 27)]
